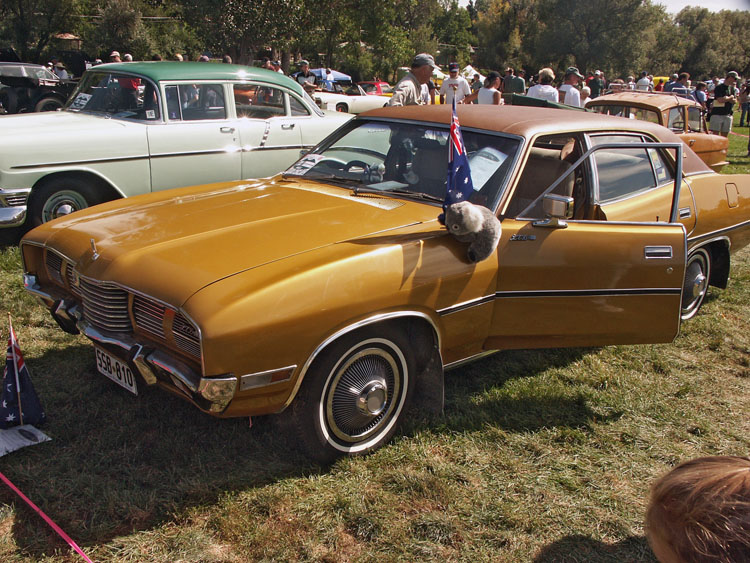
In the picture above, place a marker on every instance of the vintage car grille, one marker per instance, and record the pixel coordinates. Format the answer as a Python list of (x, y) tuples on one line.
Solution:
[(186, 336), (54, 264), (149, 315), (105, 306), (73, 280), (15, 200)]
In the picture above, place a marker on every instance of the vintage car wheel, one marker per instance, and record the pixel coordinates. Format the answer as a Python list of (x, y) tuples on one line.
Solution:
[(342, 107), (355, 394), (59, 197), (697, 275), (48, 104)]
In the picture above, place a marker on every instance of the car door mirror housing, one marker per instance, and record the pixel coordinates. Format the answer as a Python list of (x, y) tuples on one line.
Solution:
[(557, 208)]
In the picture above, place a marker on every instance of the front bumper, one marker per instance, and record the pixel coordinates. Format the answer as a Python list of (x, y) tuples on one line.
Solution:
[(211, 394), (13, 205)]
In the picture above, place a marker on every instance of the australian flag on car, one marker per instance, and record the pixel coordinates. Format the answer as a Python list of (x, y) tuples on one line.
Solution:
[(17, 386), (459, 185)]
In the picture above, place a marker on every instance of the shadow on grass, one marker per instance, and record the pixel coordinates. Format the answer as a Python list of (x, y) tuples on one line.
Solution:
[(571, 549), (11, 237), (119, 463)]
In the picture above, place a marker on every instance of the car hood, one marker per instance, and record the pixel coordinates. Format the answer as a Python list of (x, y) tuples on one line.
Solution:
[(171, 245)]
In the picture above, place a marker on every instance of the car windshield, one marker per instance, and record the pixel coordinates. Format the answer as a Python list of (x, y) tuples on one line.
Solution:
[(116, 95), (408, 159)]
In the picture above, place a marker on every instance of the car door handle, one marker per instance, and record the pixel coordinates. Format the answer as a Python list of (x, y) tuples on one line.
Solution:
[(287, 126), (227, 129), (691, 142), (651, 252), (685, 212)]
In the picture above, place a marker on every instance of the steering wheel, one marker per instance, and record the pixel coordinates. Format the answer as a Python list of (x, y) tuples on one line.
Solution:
[(355, 163)]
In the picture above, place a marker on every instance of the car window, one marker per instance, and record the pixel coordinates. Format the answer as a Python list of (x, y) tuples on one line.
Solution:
[(625, 172), (195, 102), (694, 120), (258, 101), (390, 156), (644, 115), (676, 120), (297, 107), (115, 95), (369, 88)]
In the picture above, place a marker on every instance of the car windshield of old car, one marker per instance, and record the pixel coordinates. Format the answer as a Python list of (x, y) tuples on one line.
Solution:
[(408, 158), (115, 95)]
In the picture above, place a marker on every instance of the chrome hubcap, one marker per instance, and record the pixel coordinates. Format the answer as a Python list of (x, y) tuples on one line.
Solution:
[(696, 284), (371, 400), (64, 209), (62, 203)]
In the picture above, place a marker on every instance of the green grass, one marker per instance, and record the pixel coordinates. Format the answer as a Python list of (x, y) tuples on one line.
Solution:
[(540, 455)]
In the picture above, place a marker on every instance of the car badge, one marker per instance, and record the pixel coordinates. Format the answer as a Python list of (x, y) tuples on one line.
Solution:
[(94, 254)]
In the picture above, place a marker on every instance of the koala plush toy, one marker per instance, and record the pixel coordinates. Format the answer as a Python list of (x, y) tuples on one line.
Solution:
[(476, 225)]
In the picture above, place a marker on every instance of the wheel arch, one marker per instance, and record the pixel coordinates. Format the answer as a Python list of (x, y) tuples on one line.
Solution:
[(422, 331), (718, 249), (109, 191)]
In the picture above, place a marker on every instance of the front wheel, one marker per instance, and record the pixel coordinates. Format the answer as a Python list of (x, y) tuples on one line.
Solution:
[(59, 197), (48, 104), (697, 276), (355, 394)]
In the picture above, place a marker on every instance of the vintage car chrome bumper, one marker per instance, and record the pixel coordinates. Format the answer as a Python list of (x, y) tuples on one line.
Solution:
[(13, 207), (212, 394)]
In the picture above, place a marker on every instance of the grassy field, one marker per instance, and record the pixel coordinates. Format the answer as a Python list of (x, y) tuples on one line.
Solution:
[(540, 456)]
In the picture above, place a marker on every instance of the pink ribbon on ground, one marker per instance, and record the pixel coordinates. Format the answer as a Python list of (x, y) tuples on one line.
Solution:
[(46, 518)]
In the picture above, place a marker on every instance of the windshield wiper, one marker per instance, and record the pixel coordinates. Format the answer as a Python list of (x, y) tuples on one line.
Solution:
[(397, 191)]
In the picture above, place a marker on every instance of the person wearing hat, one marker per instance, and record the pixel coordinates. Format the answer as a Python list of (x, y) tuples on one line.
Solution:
[(454, 87), (670, 83), (408, 91), (725, 95), (277, 66), (114, 57), (306, 78), (544, 90), (569, 93), (60, 72), (490, 93), (512, 83), (596, 84)]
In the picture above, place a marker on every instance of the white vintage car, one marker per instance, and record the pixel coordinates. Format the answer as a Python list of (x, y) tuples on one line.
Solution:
[(351, 98), (133, 128)]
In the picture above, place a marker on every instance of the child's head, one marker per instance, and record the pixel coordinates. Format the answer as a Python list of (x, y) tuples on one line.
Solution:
[(700, 512)]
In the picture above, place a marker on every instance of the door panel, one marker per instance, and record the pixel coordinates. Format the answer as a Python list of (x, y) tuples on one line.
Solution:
[(590, 284)]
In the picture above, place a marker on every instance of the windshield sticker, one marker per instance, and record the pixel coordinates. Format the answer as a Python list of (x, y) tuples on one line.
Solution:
[(301, 167), (150, 114), (80, 101)]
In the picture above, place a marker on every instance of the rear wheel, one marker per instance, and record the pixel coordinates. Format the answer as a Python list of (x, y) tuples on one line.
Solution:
[(48, 104), (342, 107), (697, 275), (59, 197), (355, 394)]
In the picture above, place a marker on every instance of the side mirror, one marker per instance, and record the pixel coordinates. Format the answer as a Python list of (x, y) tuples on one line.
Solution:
[(557, 208), (303, 152)]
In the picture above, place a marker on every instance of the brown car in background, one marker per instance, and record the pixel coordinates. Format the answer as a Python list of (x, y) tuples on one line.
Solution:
[(682, 115)]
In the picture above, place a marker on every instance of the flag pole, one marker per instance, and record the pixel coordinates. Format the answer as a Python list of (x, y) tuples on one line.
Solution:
[(15, 367)]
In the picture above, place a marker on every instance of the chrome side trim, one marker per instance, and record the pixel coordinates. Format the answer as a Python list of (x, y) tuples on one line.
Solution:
[(466, 305), (470, 359), (352, 327), (79, 162), (276, 148), (705, 238), (589, 292)]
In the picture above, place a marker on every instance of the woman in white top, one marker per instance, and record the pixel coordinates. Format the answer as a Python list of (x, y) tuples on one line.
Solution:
[(544, 90), (489, 94)]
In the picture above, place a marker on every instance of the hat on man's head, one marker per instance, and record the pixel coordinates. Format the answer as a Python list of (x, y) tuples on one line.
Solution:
[(275, 63), (573, 70), (303, 62), (733, 74), (492, 75), (58, 64), (644, 73), (114, 54), (423, 59), (597, 73), (452, 67)]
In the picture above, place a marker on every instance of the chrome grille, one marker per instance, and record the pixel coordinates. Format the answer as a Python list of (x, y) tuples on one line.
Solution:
[(72, 280), (186, 336), (105, 306), (15, 200), (54, 266), (149, 315)]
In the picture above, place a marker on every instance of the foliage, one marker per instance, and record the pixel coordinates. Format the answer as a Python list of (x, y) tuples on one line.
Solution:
[(31, 24)]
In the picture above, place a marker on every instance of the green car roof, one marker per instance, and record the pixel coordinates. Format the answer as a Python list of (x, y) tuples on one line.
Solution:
[(174, 70)]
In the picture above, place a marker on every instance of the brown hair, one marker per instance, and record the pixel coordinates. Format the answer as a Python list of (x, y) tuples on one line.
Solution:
[(701, 510)]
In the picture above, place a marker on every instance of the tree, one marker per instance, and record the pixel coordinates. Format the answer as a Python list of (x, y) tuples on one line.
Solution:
[(31, 24), (453, 30)]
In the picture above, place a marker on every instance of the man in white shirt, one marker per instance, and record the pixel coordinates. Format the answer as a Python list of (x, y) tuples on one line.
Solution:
[(408, 91), (644, 84), (454, 86), (570, 94)]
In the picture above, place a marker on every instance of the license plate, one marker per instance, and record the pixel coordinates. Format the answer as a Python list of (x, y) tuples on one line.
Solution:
[(117, 371)]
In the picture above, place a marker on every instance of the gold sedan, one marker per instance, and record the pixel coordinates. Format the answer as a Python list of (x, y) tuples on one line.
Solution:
[(332, 292)]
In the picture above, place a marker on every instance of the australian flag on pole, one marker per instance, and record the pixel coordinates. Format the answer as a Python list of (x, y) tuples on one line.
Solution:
[(19, 403), (459, 185)]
